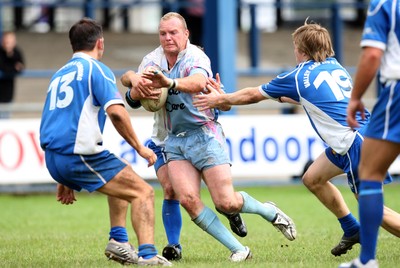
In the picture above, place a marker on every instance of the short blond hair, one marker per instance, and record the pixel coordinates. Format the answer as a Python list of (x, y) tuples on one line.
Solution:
[(171, 15), (313, 40)]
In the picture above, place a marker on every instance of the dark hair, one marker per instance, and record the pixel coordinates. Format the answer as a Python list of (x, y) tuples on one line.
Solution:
[(84, 34)]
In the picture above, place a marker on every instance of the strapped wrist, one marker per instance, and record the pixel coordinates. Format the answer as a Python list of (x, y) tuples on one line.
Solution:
[(173, 84), (135, 104)]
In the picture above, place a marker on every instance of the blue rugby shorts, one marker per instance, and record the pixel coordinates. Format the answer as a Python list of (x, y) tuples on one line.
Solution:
[(79, 172), (160, 153), (385, 117), (349, 163)]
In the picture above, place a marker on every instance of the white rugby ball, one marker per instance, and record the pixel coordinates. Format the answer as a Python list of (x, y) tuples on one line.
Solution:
[(153, 105)]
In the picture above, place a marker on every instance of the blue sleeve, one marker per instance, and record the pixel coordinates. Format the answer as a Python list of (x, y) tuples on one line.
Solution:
[(377, 23), (104, 88), (284, 85)]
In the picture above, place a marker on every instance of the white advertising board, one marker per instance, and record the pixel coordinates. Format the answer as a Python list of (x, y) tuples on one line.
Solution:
[(267, 147)]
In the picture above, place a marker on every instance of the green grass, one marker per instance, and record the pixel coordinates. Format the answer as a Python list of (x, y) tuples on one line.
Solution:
[(36, 231)]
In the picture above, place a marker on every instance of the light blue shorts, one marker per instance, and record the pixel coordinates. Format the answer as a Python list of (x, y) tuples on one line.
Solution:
[(79, 172), (349, 163), (160, 153), (204, 147), (385, 117)]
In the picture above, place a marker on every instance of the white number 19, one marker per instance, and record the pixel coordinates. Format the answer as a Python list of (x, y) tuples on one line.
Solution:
[(338, 81)]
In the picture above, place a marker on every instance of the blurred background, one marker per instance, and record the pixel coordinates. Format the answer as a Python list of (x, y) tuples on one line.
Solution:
[(248, 41)]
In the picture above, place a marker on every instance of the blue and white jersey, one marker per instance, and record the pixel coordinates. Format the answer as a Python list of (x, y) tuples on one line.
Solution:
[(181, 115), (74, 112), (323, 89), (382, 30)]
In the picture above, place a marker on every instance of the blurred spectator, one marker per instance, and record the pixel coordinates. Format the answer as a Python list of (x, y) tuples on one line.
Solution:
[(194, 18), (11, 64)]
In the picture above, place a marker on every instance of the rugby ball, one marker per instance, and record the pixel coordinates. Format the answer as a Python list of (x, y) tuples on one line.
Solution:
[(153, 105)]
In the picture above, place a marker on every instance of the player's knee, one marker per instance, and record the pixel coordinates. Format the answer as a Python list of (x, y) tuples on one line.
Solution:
[(148, 191), (313, 183), (190, 203), (228, 206), (169, 192), (308, 181)]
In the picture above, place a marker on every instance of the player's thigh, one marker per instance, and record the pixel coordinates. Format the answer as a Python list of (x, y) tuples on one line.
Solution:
[(376, 158), (185, 178), (219, 182), (321, 170), (127, 185)]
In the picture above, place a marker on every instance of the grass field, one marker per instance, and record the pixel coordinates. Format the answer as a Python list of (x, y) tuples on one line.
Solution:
[(36, 231)]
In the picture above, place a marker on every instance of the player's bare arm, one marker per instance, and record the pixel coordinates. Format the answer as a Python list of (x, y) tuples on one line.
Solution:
[(367, 67), (122, 123), (190, 84), (244, 96)]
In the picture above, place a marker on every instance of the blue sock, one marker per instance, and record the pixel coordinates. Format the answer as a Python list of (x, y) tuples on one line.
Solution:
[(119, 234), (349, 224), (370, 204), (209, 222), (172, 220), (253, 206), (147, 251)]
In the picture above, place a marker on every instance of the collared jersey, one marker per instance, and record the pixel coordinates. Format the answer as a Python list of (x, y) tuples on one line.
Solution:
[(382, 30), (74, 115), (179, 114), (323, 89)]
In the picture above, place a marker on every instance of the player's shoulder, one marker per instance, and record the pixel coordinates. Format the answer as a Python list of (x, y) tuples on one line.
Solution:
[(99, 68)]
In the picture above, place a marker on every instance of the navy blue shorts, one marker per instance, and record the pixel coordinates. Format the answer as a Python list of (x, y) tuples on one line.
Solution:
[(384, 123), (160, 153), (349, 163)]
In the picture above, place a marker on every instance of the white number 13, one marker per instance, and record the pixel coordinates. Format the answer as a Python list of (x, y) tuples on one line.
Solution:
[(61, 93)]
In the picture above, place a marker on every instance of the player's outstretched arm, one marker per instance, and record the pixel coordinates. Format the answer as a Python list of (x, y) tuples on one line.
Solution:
[(244, 96), (122, 123)]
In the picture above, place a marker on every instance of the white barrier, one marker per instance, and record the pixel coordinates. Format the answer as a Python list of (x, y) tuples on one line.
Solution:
[(268, 147)]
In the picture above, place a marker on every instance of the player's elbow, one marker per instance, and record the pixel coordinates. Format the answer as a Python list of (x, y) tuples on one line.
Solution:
[(116, 113)]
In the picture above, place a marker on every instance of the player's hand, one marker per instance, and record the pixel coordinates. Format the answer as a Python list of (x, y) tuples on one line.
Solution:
[(143, 87), (157, 77), (210, 99), (147, 154), (355, 105), (214, 85), (65, 195)]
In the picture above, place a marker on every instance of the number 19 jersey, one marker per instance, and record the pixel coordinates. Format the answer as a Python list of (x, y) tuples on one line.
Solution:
[(73, 116), (323, 89)]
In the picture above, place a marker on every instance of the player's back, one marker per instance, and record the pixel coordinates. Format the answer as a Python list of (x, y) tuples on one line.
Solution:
[(69, 109)]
